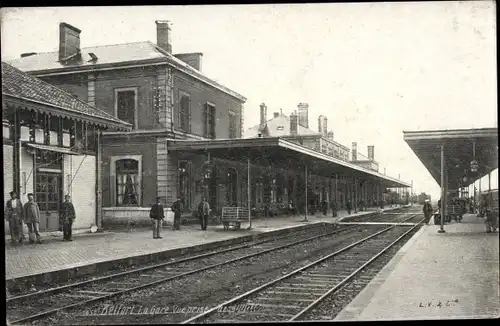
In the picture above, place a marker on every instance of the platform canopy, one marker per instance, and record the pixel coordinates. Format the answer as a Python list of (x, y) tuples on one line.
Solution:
[(461, 147), (281, 153)]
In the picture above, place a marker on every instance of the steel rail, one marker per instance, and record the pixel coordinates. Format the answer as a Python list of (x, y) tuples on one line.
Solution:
[(266, 285), (167, 279), (357, 271)]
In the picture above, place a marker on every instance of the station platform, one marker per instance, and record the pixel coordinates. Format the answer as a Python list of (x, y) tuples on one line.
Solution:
[(91, 249), (452, 275)]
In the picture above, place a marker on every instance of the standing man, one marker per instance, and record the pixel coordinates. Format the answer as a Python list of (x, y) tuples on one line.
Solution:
[(177, 209), (349, 207), (204, 211), (427, 211), (66, 217), (32, 218), (14, 213), (334, 208), (157, 214)]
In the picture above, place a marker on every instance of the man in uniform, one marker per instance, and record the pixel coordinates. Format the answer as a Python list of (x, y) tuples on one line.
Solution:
[(177, 209), (32, 218), (66, 217), (157, 214), (14, 214), (427, 211)]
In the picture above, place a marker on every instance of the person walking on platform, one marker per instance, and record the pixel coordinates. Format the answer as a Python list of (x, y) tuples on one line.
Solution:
[(157, 214), (334, 208), (427, 211), (203, 212), (66, 217), (14, 214), (349, 207), (32, 219), (177, 209)]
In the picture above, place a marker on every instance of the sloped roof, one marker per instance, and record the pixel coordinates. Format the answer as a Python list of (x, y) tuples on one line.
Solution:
[(113, 55), (19, 84), (280, 127)]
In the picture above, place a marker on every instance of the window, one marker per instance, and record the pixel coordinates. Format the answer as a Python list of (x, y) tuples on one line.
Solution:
[(184, 190), (184, 116), (209, 121), (233, 125), (232, 187), (47, 188), (127, 182), (125, 105)]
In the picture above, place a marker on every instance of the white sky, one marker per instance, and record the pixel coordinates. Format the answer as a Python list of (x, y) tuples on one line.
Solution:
[(374, 69)]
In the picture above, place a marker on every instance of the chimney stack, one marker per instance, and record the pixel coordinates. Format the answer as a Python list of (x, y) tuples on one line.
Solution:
[(163, 35), (276, 114), (371, 153), (303, 114), (325, 126), (354, 151), (320, 125), (330, 135), (69, 42), (192, 59), (263, 115), (294, 122)]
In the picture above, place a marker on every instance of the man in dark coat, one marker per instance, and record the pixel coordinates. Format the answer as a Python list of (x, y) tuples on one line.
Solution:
[(157, 214), (32, 218), (66, 217), (427, 210), (334, 208), (349, 207), (14, 214), (324, 207), (203, 212), (177, 209)]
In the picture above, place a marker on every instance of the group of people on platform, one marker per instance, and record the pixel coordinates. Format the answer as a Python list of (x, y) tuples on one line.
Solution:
[(157, 214), (18, 214)]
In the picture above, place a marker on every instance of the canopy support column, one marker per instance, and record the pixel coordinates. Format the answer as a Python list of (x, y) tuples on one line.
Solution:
[(249, 205), (307, 187), (443, 191)]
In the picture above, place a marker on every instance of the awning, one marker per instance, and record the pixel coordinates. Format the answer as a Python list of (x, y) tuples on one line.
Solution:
[(459, 146), (281, 154), (57, 149)]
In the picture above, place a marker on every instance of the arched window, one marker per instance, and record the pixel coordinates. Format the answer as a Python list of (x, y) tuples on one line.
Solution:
[(127, 182)]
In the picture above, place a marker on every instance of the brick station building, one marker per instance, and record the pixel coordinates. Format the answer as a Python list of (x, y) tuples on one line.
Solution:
[(51, 147), (186, 131)]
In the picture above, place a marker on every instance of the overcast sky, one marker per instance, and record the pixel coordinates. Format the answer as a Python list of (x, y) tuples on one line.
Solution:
[(374, 69)]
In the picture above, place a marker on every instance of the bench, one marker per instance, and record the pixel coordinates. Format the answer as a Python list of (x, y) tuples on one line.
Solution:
[(233, 216)]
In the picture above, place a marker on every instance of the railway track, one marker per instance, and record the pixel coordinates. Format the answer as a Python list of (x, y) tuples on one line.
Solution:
[(33, 306), (295, 294)]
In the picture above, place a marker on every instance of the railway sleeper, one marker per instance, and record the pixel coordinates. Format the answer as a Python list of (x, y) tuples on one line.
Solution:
[(280, 298), (308, 285)]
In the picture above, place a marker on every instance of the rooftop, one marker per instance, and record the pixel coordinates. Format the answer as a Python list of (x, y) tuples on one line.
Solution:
[(18, 84), (114, 56)]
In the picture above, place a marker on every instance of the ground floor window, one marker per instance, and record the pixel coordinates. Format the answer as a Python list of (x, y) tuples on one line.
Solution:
[(127, 182), (47, 191), (232, 187), (184, 189)]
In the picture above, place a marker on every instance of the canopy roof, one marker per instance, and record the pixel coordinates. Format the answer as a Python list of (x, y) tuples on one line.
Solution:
[(459, 147), (281, 154)]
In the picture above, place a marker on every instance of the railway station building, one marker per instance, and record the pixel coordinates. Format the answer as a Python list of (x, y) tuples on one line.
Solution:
[(187, 139), (51, 147), (456, 159)]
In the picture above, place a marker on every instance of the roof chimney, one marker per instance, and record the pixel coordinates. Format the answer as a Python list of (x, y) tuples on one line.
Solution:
[(192, 59), (263, 116), (276, 114), (294, 121), (69, 42), (303, 114), (330, 135), (320, 124), (354, 151), (371, 153), (163, 35), (325, 126)]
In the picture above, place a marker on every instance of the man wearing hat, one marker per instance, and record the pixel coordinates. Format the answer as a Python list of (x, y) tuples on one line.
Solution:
[(427, 211), (157, 215), (66, 217), (14, 214), (32, 218), (177, 209)]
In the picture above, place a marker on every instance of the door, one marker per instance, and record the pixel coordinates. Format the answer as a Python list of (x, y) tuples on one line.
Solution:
[(48, 196)]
